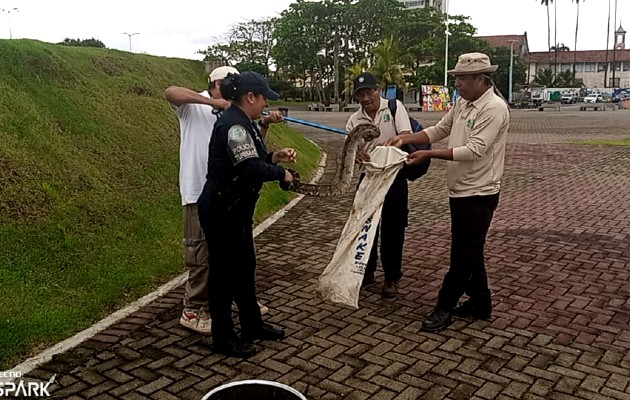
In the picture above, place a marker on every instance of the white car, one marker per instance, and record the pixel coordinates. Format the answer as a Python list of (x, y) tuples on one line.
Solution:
[(594, 98)]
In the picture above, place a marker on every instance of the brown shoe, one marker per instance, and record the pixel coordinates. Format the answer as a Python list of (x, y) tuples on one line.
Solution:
[(390, 290)]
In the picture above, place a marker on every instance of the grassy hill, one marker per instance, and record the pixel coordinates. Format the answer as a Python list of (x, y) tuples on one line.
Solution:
[(90, 214)]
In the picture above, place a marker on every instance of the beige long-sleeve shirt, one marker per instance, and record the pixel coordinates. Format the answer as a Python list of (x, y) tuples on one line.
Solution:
[(478, 134)]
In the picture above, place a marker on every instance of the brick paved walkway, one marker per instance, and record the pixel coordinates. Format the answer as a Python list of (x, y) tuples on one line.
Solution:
[(558, 257)]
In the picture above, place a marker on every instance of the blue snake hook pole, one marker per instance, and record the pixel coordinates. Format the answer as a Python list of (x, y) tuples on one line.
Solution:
[(313, 124)]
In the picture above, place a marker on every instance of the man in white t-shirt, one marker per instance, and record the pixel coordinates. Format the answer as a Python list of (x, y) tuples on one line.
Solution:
[(197, 113)]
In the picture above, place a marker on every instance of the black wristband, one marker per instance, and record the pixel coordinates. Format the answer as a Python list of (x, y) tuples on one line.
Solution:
[(262, 125)]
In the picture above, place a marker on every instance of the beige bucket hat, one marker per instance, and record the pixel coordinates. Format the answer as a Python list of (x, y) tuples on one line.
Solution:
[(473, 63)]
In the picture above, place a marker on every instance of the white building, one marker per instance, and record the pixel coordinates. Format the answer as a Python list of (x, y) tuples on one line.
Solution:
[(439, 4)]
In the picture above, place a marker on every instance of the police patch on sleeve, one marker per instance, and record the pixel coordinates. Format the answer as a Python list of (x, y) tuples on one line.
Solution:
[(240, 144)]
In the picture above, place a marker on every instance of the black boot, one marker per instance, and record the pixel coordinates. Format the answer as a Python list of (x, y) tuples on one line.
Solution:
[(234, 347), (265, 332), (469, 309), (436, 321)]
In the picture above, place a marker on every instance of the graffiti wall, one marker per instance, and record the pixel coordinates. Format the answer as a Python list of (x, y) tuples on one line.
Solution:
[(435, 98)]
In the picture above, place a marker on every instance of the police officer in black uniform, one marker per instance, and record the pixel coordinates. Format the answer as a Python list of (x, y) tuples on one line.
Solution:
[(238, 164)]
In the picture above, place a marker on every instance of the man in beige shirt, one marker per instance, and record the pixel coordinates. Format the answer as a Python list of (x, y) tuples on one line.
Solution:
[(477, 128), (375, 110)]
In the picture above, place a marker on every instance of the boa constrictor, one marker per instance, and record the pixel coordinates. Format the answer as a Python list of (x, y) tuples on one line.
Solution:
[(360, 134)]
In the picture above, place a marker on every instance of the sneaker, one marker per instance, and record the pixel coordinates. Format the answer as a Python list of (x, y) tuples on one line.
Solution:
[(234, 347), (468, 309), (263, 309), (436, 321), (368, 279), (390, 290), (196, 320)]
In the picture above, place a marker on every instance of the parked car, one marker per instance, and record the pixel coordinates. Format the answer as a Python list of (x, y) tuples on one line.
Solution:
[(594, 98), (568, 99), (621, 96)]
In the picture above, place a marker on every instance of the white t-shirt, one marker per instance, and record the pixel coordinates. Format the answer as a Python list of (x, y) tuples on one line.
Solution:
[(196, 123)]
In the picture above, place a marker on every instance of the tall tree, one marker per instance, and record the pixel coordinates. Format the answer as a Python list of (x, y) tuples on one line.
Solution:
[(555, 36), (560, 47), (614, 70), (247, 42), (546, 4), (607, 46), (388, 64), (577, 23), (302, 33)]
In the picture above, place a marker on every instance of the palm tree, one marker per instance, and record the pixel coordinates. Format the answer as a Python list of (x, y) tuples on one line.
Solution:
[(555, 36), (614, 48), (607, 46), (388, 65), (351, 74), (577, 22), (546, 4), (545, 77), (560, 47)]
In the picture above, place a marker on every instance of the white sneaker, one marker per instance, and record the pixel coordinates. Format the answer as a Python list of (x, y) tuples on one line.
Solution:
[(197, 321), (263, 309)]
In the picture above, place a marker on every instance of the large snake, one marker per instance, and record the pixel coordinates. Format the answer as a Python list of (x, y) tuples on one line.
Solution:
[(360, 134)]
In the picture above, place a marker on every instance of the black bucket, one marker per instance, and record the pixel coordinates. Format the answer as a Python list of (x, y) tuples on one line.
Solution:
[(254, 390)]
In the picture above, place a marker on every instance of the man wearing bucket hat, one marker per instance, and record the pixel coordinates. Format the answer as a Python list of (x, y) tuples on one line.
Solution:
[(477, 128), (197, 113)]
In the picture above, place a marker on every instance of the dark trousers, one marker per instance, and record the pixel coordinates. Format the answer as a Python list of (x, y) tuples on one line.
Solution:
[(391, 231), (232, 268), (470, 221)]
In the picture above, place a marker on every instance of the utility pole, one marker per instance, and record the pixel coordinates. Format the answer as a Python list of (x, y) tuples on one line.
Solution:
[(130, 35), (9, 16), (511, 68)]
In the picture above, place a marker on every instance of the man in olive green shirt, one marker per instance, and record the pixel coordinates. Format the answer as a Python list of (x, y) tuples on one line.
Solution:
[(477, 128)]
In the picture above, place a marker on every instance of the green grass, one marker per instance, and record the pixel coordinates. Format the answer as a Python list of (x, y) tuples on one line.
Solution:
[(90, 214), (620, 142)]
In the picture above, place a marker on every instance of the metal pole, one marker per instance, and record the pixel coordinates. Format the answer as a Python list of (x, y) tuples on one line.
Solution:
[(130, 35), (9, 17)]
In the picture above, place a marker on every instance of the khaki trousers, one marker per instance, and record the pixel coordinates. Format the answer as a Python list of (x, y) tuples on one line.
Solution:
[(196, 258)]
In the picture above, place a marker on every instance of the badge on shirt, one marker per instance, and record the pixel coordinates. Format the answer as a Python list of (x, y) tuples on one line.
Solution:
[(237, 133), (386, 117), (240, 144), (470, 123)]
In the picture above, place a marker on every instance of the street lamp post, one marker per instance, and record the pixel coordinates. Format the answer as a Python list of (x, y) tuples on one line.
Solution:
[(511, 67), (9, 16), (130, 35)]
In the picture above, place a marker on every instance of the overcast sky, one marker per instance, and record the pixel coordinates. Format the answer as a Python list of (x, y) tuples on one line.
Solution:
[(179, 29)]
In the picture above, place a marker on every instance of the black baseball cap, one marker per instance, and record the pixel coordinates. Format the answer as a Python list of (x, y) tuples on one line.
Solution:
[(365, 80), (254, 82)]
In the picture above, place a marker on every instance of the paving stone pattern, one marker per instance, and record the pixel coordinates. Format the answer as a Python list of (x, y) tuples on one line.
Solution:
[(558, 257)]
